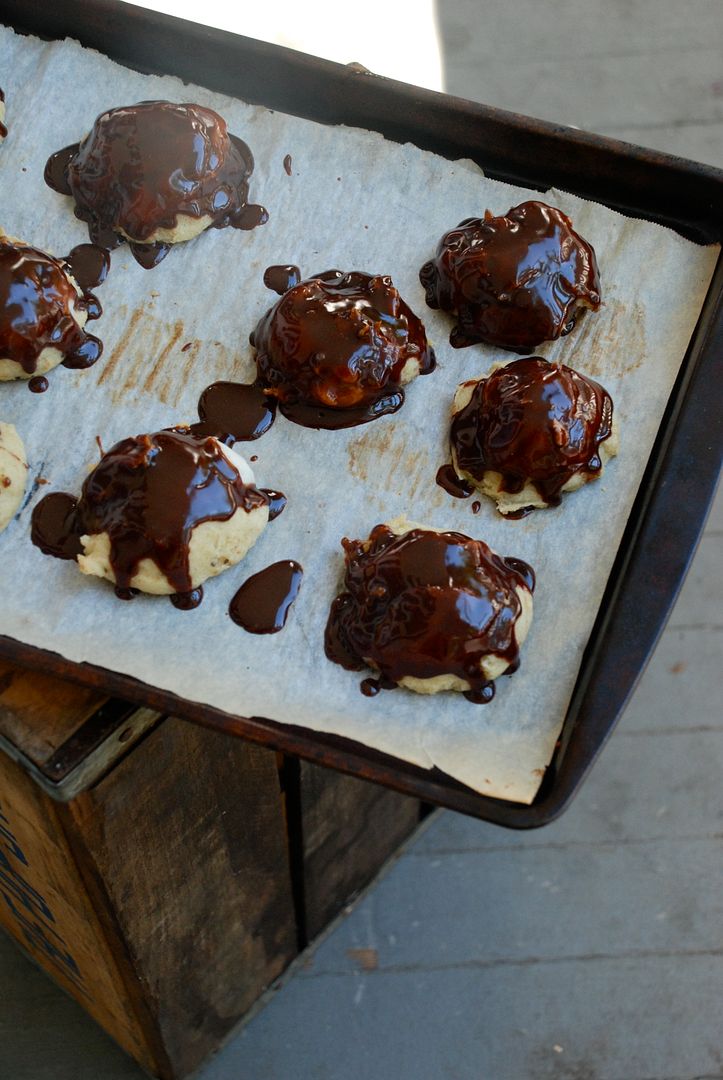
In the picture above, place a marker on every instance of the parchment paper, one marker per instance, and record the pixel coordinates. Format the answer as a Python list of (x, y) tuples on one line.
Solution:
[(353, 201)]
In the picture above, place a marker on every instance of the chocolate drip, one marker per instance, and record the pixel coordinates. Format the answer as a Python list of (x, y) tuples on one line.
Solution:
[(187, 601), (532, 421), (38, 384), (512, 281), (371, 687), (148, 493), (143, 166), (277, 502), (482, 696), (127, 594), (89, 265), (38, 302), (287, 164), (241, 411), (425, 604), (332, 350), (53, 526), (56, 171), (4, 130), (281, 278), (454, 485), (262, 604)]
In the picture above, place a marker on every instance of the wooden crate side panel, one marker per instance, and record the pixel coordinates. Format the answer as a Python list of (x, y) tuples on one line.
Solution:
[(350, 828), (188, 837), (44, 906)]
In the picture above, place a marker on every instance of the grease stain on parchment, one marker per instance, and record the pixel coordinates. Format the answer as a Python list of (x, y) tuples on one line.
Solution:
[(599, 334), (154, 356), (385, 459)]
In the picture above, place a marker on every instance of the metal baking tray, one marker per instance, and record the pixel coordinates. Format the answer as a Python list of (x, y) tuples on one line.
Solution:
[(680, 478)]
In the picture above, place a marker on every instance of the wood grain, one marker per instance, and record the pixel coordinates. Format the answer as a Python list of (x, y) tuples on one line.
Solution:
[(349, 827), (187, 839), (46, 908)]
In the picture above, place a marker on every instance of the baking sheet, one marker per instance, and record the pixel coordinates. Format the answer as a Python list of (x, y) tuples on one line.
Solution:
[(353, 201)]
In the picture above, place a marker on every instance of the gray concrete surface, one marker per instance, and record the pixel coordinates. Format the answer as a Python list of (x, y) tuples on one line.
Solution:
[(590, 950)]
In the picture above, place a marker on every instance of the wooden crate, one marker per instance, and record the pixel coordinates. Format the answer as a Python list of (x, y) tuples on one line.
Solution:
[(184, 870)]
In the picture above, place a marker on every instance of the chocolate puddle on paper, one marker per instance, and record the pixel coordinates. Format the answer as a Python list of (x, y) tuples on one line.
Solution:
[(262, 604)]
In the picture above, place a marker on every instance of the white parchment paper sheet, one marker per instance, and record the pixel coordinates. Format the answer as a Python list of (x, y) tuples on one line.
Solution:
[(353, 201)]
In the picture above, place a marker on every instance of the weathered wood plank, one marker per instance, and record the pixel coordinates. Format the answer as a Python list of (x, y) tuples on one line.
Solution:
[(186, 839), (350, 827), (45, 907)]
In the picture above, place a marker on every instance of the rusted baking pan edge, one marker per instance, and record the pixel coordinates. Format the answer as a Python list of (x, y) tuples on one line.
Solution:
[(679, 482)]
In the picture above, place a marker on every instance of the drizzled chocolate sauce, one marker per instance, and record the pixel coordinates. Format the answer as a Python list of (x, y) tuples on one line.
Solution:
[(148, 493), (262, 604), (532, 421), (281, 278), (235, 412), (454, 485), (54, 527), (287, 164), (38, 384), (4, 130), (512, 281), (187, 601), (277, 502), (425, 604), (39, 304), (143, 165), (332, 350)]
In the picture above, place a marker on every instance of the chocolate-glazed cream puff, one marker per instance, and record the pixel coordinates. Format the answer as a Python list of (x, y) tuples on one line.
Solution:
[(430, 611), (337, 349), (513, 281), (45, 303), (529, 431), (156, 174), (159, 513)]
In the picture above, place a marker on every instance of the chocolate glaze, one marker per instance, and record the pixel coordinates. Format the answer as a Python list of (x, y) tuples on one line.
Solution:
[(512, 281), (148, 493), (333, 347), (533, 421), (235, 411), (4, 130), (425, 604), (371, 687), (277, 502), (38, 384), (126, 594), (53, 526), (143, 165), (187, 601), (454, 485), (262, 604), (281, 278), (476, 507), (37, 304), (287, 164), (89, 265)]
